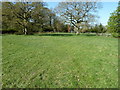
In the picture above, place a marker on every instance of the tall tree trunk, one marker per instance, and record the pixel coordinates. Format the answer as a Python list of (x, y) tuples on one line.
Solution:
[(50, 21), (69, 28), (77, 33), (25, 25), (25, 31), (78, 30)]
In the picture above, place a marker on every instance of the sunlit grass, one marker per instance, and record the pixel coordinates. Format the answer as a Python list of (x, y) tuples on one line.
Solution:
[(60, 61)]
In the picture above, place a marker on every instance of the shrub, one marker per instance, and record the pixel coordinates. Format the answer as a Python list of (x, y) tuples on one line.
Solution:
[(8, 31), (47, 29), (116, 35)]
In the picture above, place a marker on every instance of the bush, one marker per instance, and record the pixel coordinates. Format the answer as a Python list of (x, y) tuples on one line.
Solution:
[(40, 30), (47, 29), (116, 35), (19, 33), (8, 31)]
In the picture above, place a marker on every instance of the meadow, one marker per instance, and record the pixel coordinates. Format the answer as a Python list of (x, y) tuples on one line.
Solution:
[(59, 61)]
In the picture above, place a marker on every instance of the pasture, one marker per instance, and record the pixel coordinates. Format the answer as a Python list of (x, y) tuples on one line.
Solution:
[(59, 61)]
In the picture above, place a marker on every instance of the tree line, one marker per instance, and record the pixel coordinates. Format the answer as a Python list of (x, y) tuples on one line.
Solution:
[(78, 17), (29, 17), (114, 22)]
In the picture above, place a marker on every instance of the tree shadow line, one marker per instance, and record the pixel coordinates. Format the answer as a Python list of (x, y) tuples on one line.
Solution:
[(51, 34), (69, 34)]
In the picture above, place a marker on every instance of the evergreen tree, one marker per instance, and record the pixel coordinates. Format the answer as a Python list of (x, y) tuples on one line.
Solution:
[(114, 21)]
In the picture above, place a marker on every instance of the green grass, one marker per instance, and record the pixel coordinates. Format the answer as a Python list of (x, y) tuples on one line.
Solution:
[(59, 61)]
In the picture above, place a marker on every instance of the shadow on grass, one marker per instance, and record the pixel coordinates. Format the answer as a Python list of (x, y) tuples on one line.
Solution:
[(63, 34), (51, 34), (89, 34)]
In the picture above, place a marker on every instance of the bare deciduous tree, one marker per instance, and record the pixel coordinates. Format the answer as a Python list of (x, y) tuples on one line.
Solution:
[(77, 13)]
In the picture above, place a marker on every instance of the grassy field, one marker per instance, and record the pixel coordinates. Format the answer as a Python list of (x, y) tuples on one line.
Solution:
[(57, 61)]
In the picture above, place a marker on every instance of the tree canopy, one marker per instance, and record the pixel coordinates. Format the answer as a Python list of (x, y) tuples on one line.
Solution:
[(29, 17), (114, 21), (78, 13)]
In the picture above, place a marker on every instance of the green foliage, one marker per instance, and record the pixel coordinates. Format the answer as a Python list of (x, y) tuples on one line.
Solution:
[(116, 35), (9, 31), (59, 61), (47, 29), (101, 29), (98, 29), (114, 21), (29, 17), (59, 26), (65, 28), (7, 16)]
